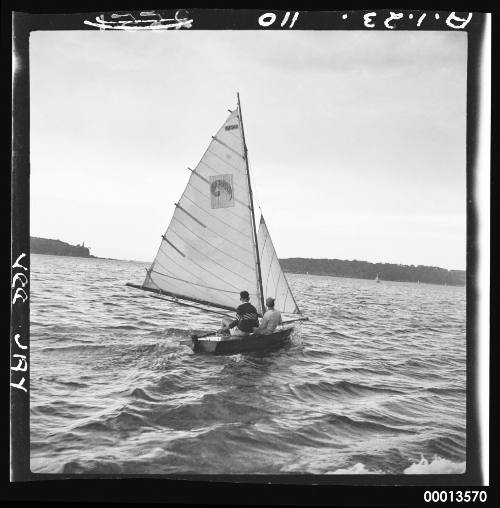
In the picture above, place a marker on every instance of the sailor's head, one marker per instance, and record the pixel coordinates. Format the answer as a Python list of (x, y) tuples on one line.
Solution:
[(244, 296), (270, 303)]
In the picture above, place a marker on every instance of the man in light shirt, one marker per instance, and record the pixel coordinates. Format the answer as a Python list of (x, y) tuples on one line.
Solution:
[(270, 320)]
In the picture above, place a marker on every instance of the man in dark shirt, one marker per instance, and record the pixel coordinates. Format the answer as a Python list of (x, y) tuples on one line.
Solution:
[(246, 318)]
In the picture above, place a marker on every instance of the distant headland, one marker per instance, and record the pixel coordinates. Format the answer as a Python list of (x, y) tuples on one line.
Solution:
[(365, 270), (58, 248)]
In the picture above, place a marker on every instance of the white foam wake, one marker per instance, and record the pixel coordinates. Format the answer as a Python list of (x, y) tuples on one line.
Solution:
[(358, 468), (438, 465)]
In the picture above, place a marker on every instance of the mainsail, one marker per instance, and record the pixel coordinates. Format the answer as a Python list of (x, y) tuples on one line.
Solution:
[(274, 281), (211, 250), (208, 251)]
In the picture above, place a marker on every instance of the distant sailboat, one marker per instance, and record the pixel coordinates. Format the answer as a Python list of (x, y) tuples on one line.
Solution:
[(377, 278), (211, 250)]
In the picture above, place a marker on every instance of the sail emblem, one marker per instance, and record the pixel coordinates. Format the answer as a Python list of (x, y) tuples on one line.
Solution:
[(221, 191), (231, 127)]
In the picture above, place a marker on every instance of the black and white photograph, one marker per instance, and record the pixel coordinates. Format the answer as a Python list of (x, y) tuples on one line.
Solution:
[(249, 249)]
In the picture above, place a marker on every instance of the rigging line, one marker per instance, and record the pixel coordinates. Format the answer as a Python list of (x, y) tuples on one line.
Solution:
[(220, 220), (211, 259), (288, 290), (291, 294), (234, 214), (195, 284), (255, 188), (211, 245)]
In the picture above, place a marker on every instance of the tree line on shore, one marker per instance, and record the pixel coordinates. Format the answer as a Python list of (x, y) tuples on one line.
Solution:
[(365, 270)]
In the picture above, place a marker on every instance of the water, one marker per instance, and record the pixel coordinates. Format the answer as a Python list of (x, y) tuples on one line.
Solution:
[(374, 383)]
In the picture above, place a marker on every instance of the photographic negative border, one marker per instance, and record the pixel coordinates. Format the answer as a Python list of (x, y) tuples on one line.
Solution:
[(473, 23)]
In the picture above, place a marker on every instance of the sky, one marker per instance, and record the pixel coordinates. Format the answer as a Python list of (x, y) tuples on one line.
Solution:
[(356, 140)]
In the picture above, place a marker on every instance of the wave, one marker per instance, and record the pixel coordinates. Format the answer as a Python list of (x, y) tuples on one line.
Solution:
[(350, 425), (121, 327), (75, 347), (212, 409), (339, 388), (122, 421), (139, 393), (446, 391), (438, 465), (452, 445)]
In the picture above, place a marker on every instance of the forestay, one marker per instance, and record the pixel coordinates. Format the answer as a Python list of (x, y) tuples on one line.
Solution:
[(274, 281), (208, 251)]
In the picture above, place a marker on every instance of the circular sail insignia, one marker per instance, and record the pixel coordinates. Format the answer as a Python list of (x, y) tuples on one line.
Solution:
[(221, 191)]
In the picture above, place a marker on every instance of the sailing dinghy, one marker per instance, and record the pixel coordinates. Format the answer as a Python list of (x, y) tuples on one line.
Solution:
[(212, 250)]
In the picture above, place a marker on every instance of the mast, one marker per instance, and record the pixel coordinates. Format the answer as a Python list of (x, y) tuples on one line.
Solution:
[(259, 274)]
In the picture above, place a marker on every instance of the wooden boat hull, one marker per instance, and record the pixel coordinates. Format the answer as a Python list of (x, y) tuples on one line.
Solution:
[(233, 345)]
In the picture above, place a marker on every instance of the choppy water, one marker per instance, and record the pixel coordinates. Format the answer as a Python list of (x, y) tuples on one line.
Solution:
[(375, 383)]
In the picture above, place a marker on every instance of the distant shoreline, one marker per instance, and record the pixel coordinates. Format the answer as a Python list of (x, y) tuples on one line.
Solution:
[(384, 271), (307, 266), (88, 257)]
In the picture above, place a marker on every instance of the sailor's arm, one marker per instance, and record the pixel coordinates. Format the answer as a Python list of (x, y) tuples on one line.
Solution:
[(232, 324)]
